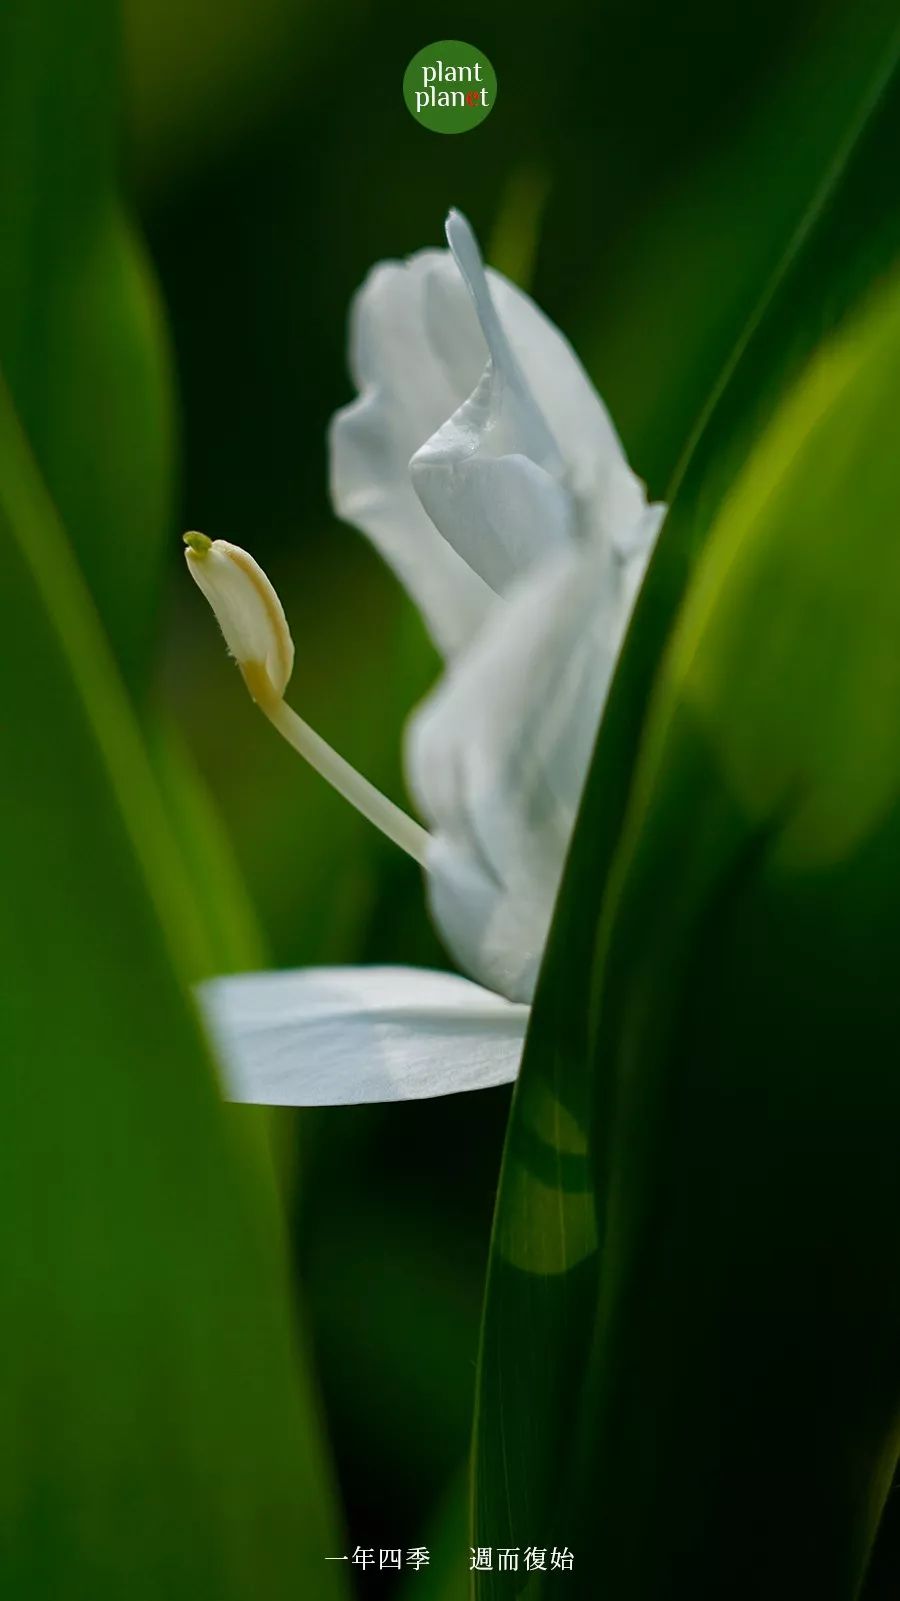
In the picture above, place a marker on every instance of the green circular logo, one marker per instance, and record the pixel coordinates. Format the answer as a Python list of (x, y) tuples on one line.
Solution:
[(450, 87)]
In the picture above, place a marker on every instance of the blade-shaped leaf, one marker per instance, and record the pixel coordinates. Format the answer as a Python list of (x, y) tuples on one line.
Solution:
[(738, 1431), (81, 339), (158, 1436), (234, 941), (847, 236), (689, 283), (540, 1309)]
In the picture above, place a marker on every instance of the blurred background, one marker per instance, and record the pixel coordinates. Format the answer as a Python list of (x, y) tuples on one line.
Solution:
[(270, 161)]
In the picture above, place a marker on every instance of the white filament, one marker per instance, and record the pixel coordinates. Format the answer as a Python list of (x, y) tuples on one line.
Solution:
[(343, 777), (255, 628)]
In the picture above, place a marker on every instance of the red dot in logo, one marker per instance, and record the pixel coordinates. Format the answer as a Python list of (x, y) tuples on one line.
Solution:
[(473, 98)]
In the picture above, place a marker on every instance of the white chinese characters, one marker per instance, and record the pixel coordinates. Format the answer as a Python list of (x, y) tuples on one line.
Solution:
[(483, 1558), (534, 1559), (389, 1557)]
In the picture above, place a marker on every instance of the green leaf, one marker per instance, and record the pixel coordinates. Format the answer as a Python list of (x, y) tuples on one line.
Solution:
[(81, 338), (690, 282), (447, 1576), (234, 939), (159, 1437), (847, 235), (737, 1433), (540, 1312), (84, 349)]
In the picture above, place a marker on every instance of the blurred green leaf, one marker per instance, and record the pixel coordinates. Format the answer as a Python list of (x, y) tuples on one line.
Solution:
[(540, 1316), (235, 942), (695, 275), (84, 349), (737, 1432), (447, 1578), (81, 338), (847, 237), (158, 1435)]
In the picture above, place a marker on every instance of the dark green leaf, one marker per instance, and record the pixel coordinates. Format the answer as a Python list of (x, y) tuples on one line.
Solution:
[(81, 339), (708, 254), (158, 1436), (737, 1431), (848, 235), (234, 940), (541, 1305)]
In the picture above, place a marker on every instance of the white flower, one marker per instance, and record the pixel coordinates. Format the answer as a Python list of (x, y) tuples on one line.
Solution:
[(483, 464)]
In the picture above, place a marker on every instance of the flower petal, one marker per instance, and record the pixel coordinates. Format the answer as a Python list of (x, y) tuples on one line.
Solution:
[(535, 404), (497, 757), (610, 498), (478, 443), (502, 513), (416, 353), (333, 1036)]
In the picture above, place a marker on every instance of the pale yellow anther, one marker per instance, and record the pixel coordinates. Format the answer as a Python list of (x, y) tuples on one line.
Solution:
[(247, 609), (252, 620)]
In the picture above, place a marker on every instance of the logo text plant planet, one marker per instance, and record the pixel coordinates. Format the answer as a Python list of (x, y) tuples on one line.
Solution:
[(450, 87)]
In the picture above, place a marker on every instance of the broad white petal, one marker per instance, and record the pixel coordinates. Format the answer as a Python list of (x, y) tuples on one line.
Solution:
[(332, 1036), (416, 353), (501, 512), (491, 477), (609, 497), (530, 461), (497, 758)]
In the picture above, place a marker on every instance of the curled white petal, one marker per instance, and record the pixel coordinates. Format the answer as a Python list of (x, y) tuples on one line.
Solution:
[(501, 512), (337, 1036), (545, 405), (518, 417), (416, 353), (498, 754), (478, 445), (246, 607), (491, 478)]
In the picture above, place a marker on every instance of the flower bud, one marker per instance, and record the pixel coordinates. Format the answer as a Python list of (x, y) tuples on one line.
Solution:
[(247, 610)]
